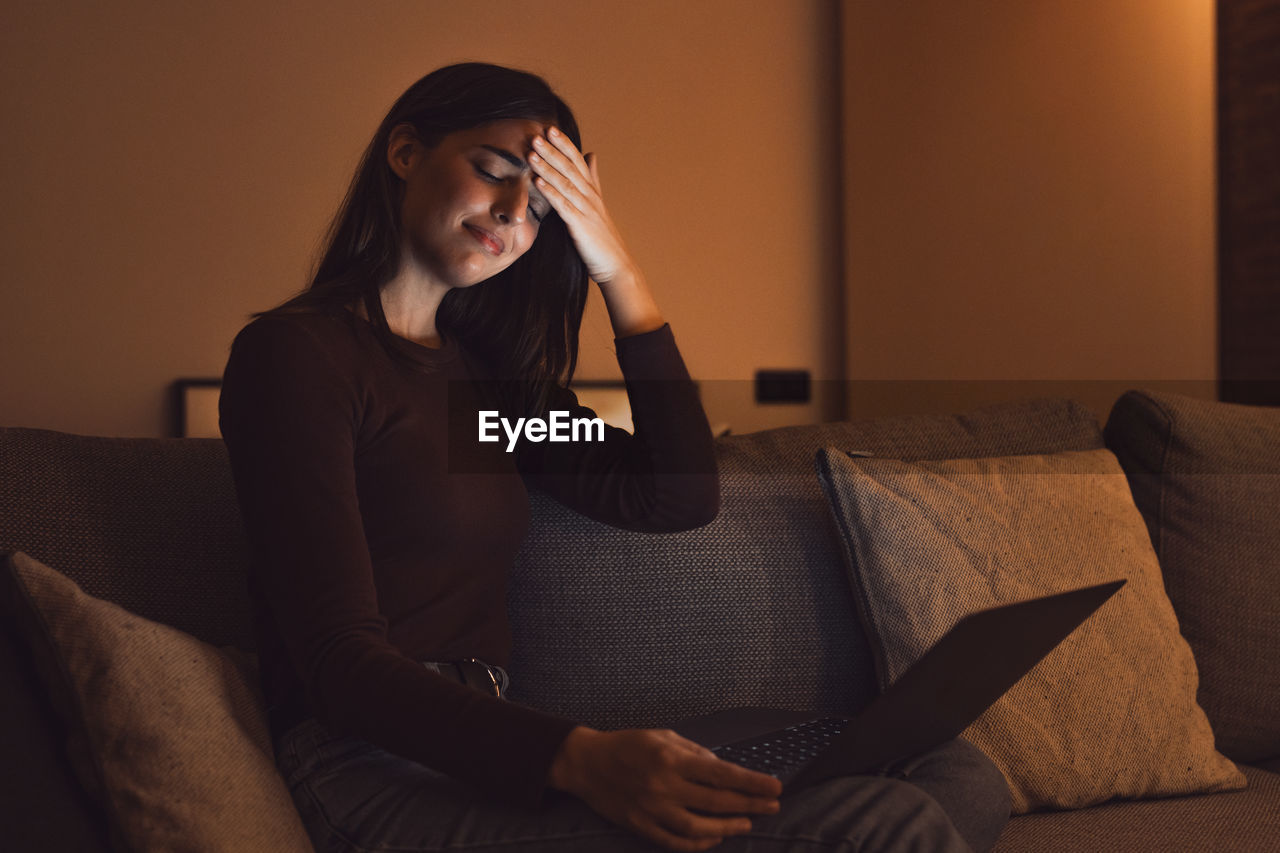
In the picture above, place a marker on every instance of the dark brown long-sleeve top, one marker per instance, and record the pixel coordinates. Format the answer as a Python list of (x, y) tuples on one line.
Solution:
[(375, 546)]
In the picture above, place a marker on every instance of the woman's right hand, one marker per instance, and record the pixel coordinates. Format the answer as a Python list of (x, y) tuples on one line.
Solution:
[(651, 781)]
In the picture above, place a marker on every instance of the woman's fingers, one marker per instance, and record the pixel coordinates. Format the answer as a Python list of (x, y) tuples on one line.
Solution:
[(563, 189), (712, 773), (567, 181), (718, 773), (561, 170), (675, 818), (562, 203), (719, 801), (651, 781), (556, 187), (564, 148)]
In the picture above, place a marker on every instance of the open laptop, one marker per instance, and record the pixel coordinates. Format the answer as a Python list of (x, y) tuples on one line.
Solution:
[(962, 675)]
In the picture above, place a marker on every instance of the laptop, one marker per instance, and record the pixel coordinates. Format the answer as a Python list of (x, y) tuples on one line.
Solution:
[(963, 674)]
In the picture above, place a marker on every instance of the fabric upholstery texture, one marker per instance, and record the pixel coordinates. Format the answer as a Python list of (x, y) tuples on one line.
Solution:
[(619, 629), (150, 524), (167, 732), (1245, 821), (1111, 711), (1206, 476)]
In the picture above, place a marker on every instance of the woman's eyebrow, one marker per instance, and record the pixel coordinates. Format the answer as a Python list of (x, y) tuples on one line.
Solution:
[(508, 156)]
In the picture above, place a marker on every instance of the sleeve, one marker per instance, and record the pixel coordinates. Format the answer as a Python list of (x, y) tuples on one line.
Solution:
[(289, 417), (661, 479)]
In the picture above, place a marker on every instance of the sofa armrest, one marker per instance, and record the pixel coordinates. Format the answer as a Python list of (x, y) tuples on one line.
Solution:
[(42, 806)]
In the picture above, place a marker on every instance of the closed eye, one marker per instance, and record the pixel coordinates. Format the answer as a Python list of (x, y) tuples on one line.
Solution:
[(543, 211), (538, 216)]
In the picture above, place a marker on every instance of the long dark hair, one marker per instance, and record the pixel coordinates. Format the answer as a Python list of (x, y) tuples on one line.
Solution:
[(524, 321)]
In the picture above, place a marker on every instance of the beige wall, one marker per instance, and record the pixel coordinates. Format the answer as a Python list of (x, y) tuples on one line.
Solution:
[(169, 167), (1031, 197), (1030, 183)]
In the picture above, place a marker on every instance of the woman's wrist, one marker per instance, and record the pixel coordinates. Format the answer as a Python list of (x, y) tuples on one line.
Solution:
[(632, 309), (566, 766)]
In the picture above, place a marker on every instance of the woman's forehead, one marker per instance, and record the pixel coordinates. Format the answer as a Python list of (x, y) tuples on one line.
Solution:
[(516, 132)]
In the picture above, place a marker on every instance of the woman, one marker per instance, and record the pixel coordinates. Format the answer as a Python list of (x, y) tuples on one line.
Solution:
[(454, 280)]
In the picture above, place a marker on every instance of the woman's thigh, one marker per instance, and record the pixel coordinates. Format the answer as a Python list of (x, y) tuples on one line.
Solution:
[(952, 798), (356, 798), (854, 813)]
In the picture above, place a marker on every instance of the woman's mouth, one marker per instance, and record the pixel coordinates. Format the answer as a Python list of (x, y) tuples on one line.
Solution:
[(488, 239)]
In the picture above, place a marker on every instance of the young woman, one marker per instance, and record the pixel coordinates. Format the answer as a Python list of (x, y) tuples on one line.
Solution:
[(454, 279)]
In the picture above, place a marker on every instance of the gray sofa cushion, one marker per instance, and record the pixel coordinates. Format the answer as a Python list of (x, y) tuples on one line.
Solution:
[(1247, 820), (621, 629), (1206, 477), (151, 524)]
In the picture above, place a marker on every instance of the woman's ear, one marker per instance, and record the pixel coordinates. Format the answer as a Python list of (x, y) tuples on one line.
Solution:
[(402, 149)]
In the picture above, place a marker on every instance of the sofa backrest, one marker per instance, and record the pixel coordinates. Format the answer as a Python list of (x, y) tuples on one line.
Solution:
[(149, 523), (1206, 476), (612, 628), (620, 629)]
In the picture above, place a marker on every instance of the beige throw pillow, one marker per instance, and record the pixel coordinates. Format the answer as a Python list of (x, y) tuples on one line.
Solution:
[(1110, 712), (167, 732)]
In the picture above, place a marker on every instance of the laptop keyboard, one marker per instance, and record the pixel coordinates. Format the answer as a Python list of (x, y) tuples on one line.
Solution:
[(781, 751)]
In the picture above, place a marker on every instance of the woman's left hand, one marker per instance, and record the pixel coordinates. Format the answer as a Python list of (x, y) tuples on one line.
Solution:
[(571, 184)]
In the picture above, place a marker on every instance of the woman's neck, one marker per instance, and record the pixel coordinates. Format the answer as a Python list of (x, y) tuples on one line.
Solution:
[(410, 308)]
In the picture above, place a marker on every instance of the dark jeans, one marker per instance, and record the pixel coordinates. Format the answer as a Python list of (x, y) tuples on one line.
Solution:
[(355, 797)]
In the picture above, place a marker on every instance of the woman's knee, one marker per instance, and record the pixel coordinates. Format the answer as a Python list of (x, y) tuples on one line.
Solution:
[(986, 777), (972, 790), (857, 813), (912, 820)]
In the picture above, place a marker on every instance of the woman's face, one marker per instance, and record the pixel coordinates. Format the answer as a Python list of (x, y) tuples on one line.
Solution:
[(470, 208)]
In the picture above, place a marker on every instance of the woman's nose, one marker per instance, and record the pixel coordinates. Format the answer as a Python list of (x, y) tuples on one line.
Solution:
[(512, 205)]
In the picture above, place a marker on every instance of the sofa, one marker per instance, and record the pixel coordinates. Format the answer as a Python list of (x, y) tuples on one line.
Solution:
[(613, 628)]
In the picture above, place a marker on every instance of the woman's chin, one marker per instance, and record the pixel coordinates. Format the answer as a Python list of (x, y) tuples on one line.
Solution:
[(479, 273)]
